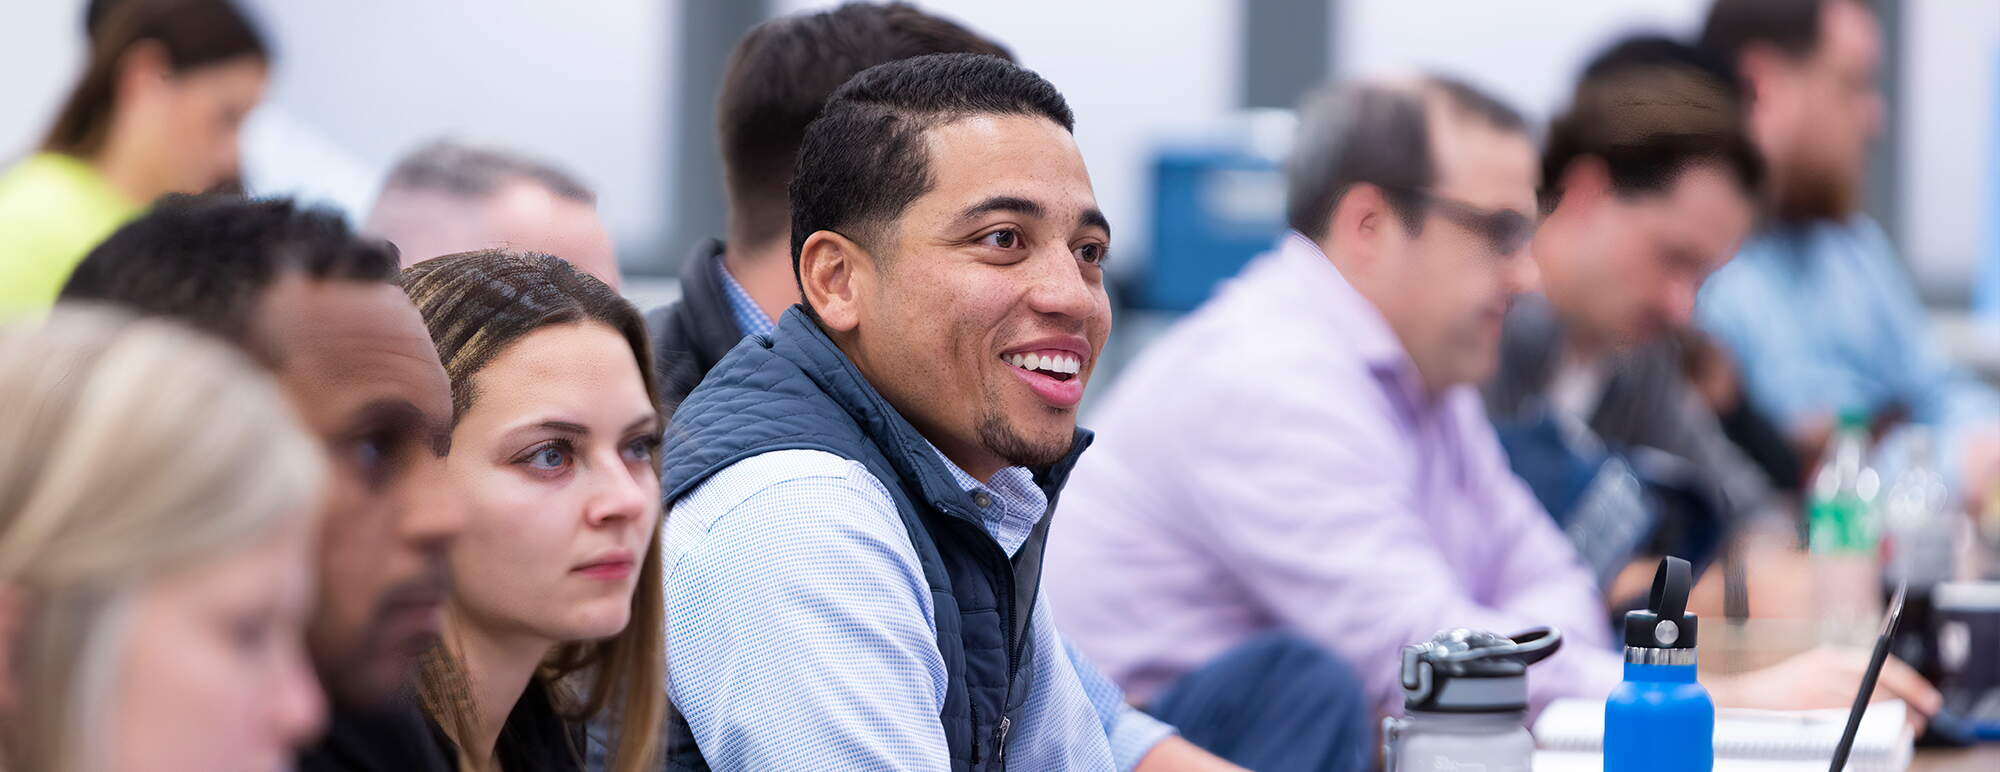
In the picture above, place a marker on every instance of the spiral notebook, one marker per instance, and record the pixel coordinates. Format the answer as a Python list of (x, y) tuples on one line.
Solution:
[(1570, 736)]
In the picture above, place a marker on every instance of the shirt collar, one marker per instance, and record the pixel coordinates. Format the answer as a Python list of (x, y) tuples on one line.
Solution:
[(750, 318), (1009, 506), (1354, 316)]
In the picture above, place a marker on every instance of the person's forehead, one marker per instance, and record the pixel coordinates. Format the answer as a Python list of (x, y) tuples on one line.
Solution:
[(979, 156), (1483, 164), (1705, 209), (1849, 34), (581, 366), (350, 343)]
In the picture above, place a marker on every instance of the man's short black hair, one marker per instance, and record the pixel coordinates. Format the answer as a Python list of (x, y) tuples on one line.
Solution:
[(864, 159), (780, 76), (1376, 133), (1649, 107), (1791, 26), (207, 260)]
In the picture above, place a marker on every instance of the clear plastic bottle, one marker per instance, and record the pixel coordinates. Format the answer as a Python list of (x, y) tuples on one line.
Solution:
[(1919, 523), (1842, 532)]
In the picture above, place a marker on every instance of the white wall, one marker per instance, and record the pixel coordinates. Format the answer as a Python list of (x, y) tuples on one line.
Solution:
[(1132, 70), (1952, 77), (1527, 52), (585, 84), (358, 82), (41, 51)]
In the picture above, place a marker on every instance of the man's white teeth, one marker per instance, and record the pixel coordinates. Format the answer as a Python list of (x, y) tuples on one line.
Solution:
[(1054, 363)]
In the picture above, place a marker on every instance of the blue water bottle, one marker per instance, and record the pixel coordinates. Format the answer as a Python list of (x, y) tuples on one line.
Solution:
[(1660, 719)]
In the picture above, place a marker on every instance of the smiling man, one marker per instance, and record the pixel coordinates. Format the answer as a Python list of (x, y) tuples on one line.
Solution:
[(859, 500)]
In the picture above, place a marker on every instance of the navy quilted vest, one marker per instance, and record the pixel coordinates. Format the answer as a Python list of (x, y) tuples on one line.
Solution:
[(797, 390)]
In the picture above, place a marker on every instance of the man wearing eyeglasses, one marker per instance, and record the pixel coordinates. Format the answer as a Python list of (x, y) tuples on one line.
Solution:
[(1305, 456)]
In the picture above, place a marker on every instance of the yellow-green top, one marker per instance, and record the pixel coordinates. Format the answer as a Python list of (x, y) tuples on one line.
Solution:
[(53, 209)]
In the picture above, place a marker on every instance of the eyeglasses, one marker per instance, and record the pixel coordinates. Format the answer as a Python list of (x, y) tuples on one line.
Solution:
[(1506, 231)]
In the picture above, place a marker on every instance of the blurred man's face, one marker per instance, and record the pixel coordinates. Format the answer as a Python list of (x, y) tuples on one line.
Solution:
[(1637, 261), (981, 313), (1447, 289), (357, 361), (1828, 106)]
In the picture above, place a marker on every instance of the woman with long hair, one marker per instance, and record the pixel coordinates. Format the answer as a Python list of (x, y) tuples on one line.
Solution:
[(556, 614), (158, 505), (162, 98)]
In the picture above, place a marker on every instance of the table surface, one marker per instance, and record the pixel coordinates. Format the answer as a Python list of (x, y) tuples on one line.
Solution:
[(1984, 758)]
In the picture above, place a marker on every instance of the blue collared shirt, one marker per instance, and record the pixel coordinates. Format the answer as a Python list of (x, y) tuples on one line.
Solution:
[(750, 317), (801, 633), (1822, 319)]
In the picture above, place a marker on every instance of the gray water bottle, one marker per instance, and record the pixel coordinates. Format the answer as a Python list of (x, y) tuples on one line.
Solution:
[(1466, 699)]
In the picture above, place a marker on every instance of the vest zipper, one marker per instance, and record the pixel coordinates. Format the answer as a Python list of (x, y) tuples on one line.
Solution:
[(1013, 658), (1000, 742), (974, 705)]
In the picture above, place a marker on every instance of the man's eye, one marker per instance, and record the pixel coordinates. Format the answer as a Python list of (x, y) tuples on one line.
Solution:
[(1003, 239), (1093, 254)]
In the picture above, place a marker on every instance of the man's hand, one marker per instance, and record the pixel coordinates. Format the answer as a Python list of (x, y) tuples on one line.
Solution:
[(1177, 755), (1826, 677), (1979, 467)]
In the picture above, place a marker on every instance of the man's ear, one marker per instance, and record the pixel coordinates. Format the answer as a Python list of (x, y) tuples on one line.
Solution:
[(1585, 183), (833, 272), (1360, 222), (1759, 66), (13, 606)]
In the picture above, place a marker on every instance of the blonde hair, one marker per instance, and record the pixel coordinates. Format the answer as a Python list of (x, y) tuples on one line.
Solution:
[(476, 304), (129, 449)]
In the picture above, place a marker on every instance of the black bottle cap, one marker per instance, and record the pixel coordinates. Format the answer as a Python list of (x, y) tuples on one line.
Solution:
[(1471, 671), (1666, 623)]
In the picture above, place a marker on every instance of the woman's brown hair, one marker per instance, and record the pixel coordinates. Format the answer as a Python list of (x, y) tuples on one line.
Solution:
[(476, 304), (192, 34)]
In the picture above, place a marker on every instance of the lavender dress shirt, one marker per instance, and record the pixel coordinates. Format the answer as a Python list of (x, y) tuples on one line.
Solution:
[(1274, 462)]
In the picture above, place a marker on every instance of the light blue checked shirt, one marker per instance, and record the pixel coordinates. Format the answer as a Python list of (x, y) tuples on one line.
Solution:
[(800, 631), (750, 317), (1822, 318)]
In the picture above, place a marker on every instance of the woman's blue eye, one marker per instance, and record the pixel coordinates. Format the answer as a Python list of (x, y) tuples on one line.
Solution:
[(548, 457), (642, 449)]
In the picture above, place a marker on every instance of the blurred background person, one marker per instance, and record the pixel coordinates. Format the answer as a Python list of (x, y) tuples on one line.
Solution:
[(450, 196), (1650, 184), (558, 572), (1350, 489), (317, 303), (158, 504), (157, 111), (779, 76), (1819, 314)]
